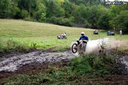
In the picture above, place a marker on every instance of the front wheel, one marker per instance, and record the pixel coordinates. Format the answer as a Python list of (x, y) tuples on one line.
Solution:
[(74, 48)]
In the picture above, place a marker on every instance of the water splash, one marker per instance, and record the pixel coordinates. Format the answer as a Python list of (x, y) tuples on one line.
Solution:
[(101, 45)]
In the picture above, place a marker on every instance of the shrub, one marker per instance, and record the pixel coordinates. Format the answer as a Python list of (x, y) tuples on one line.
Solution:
[(93, 64)]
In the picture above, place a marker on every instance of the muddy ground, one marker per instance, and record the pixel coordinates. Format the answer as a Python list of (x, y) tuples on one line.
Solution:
[(13, 64), (38, 61)]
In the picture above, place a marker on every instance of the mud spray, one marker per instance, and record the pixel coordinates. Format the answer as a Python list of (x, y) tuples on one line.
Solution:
[(101, 45), (13, 63)]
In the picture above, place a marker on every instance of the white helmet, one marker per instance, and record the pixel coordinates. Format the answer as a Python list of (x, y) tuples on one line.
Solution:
[(82, 33)]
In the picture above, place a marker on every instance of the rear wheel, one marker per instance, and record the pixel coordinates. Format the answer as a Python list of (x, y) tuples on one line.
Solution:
[(58, 37), (65, 37), (74, 48)]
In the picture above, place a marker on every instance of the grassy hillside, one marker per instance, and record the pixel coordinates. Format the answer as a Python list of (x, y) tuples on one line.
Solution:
[(19, 33)]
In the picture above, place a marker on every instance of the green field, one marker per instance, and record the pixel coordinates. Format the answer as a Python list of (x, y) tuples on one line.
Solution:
[(14, 33)]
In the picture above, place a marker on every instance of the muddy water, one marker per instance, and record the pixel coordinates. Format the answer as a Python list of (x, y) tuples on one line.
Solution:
[(13, 63)]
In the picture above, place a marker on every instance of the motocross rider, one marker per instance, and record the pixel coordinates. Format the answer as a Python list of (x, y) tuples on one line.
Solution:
[(64, 35), (83, 37)]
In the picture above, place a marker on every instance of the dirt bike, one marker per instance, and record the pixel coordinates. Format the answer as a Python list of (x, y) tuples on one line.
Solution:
[(79, 46), (61, 37)]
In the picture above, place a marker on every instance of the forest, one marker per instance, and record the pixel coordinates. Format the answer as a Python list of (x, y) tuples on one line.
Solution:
[(81, 13)]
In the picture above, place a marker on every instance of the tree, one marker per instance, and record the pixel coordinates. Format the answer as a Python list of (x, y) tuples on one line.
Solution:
[(15, 11), (116, 9), (103, 21), (93, 16), (120, 22), (54, 8), (40, 15), (5, 8), (80, 14), (28, 5), (86, 2), (68, 8)]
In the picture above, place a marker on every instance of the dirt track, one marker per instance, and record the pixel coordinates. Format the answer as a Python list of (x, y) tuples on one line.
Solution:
[(13, 63), (28, 62)]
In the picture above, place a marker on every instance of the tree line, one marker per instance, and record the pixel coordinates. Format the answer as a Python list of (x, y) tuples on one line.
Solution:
[(83, 13)]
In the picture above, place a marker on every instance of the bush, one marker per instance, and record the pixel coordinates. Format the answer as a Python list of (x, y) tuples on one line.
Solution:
[(90, 64)]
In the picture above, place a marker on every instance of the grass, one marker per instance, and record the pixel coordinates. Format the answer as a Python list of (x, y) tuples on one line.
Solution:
[(42, 35)]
